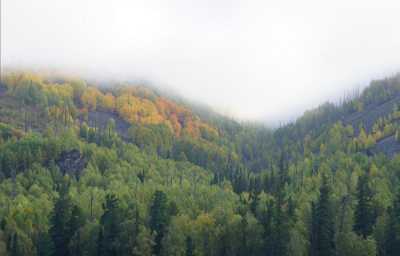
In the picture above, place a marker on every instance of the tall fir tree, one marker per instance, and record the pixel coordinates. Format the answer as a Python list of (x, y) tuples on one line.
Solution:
[(313, 230), (392, 232), (15, 247), (108, 242), (266, 221), (280, 235), (280, 218), (189, 251), (60, 231), (159, 219), (322, 241), (45, 246), (75, 223), (364, 218)]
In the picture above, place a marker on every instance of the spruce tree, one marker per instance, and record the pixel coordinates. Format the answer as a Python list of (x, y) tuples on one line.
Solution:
[(189, 246), (60, 230), (323, 229), (364, 216), (266, 221), (392, 234), (100, 246), (75, 223), (108, 242), (15, 250), (45, 245), (280, 235), (159, 219), (280, 228), (313, 230)]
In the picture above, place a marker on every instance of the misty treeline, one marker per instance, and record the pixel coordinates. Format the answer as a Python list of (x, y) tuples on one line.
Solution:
[(181, 181)]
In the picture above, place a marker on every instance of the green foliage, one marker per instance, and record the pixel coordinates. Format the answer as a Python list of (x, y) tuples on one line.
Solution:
[(364, 213), (109, 242), (354, 245), (61, 231), (189, 250), (159, 219), (323, 226), (392, 232), (160, 178)]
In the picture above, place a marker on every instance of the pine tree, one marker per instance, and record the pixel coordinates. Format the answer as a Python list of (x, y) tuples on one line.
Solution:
[(135, 232), (313, 230), (392, 234), (280, 219), (75, 223), (60, 231), (364, 215), (283, 170), (243, 248), (159, 219), (189, 246), (45, 245), (266, 221), (108, 242), (280, 233), (15, 250), (100, 246), (254, 197), (323, 229), (3, 244)]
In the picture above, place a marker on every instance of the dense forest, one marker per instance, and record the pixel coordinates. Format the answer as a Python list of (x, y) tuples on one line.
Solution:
[(123, 169)]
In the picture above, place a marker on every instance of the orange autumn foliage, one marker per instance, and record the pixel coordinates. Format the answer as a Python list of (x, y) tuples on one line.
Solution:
[(135, 104)]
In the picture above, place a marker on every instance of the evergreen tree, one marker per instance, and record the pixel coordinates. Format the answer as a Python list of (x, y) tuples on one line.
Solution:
[(133, 242), (108, 243), (159, 219), (392, 234), (243, 248), (60, 230), (313, 230), (323, 229), (280, 233), (280, 228), (15, 247), (189, 246), (100, 246), (75, 223), (45, 245), (266, 221), (364, 215)]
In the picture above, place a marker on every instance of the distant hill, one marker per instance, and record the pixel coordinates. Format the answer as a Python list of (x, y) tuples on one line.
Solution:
[(165, 125), (375, 111)]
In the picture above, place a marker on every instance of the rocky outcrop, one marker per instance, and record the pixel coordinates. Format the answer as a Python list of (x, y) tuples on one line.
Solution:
[(371, 114), (99, 119), (71, 163)]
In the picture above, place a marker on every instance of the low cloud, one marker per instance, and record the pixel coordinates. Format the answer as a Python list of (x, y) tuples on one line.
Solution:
[(257, 60)]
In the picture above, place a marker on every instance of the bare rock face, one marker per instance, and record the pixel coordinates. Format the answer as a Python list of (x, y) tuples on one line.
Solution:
[(3, 89), (71, 163), (100, 119)]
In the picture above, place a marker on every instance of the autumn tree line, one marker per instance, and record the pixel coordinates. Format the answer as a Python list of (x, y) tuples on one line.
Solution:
[(181, 182)]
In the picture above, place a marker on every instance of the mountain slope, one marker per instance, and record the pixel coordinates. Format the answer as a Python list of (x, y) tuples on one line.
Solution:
[(126, 170)]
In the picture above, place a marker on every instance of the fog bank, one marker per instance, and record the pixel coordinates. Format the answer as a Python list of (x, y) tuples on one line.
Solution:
[(256, 60)]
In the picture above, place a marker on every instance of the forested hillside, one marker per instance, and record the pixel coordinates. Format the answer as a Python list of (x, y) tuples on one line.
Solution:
[(122, 169)]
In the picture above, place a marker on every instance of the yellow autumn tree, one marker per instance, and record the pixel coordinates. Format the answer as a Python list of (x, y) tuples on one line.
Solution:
[(89, 98)]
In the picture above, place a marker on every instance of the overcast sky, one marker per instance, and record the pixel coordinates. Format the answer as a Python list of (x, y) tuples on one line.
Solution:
[(264, 60)]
